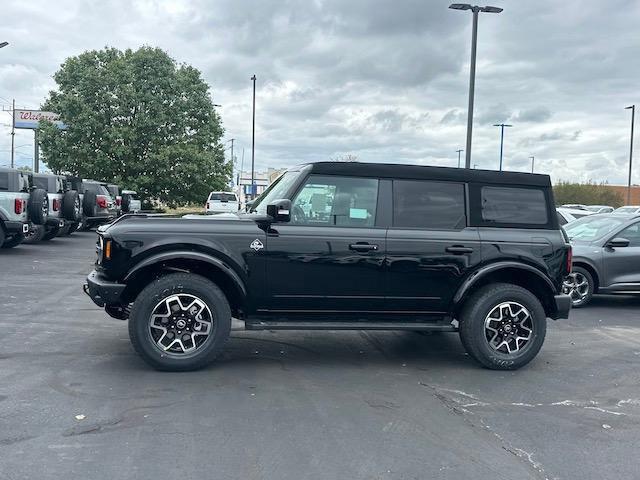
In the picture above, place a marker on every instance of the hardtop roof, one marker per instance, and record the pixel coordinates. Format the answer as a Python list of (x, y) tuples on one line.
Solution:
[(422, 172)]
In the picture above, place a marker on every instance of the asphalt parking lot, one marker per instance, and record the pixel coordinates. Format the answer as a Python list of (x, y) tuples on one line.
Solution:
[(77, 402)]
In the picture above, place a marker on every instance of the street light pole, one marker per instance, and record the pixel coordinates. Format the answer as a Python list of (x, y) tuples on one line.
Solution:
[(459, 151), (501, 125), (533, 159), (472, 69), (253, 138), (633, 114)]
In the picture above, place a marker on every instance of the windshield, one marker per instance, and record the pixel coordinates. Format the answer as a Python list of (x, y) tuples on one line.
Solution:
[(591, 228), (626, 209), (276, 190), (222, 197)]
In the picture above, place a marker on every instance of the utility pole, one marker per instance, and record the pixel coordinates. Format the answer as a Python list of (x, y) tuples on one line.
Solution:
[(36, 152), (472, 70), (459, 151), (253, 139), (633, 114), (13, 132), (533, 159), (501, 125)]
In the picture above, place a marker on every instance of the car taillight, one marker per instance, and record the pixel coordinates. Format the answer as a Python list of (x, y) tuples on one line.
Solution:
[(569, 259), (19, 206), (102, 201), (118, 200), (56, 204)]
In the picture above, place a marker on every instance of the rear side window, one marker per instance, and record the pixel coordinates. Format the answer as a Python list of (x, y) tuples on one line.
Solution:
[(4, 181), (42, 183), (428, 205), (509, 205)]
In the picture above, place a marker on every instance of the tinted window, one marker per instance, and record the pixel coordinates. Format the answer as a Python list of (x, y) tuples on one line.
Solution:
[(333, 200), (514, 205), (4, 181), (561, 219), (632, 234), (96, 188), (42, 183), (433, 205), (222, 197)]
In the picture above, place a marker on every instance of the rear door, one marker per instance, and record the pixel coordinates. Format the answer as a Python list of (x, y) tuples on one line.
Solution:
[(430, 248), (329, 257)]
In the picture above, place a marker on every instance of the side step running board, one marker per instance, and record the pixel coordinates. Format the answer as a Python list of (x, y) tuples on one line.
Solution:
[(293, 325)]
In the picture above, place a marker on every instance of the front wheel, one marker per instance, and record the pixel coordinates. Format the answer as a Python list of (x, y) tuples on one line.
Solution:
[(180, 322), (503, 326)]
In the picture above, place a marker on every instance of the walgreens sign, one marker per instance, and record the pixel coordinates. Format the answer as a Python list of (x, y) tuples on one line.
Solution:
[(31, 118)]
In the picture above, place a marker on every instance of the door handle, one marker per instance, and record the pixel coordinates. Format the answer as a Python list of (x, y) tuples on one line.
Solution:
[(458, 250), (363, 247)]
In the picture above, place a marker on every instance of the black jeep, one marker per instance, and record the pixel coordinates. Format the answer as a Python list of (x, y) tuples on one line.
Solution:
[(343, 246)]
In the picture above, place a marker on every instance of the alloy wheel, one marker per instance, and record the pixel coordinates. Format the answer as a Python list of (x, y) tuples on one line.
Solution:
[(577, 287), (508, 328), (180, 324)]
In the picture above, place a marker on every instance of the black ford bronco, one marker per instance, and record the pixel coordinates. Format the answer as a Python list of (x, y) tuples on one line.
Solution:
[(344, 245)]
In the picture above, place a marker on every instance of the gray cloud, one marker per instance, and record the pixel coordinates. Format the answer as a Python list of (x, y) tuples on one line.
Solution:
[(383, 80)]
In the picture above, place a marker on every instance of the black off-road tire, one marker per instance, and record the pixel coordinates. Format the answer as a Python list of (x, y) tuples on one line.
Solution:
[(35, 234), (71, 208), (163, 287), (89, 204), (38, 205), (51, 233), (472, 325), (12, 241), (2, 235)]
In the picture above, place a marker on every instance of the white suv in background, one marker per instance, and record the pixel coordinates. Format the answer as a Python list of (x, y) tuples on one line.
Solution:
[(222, 202)]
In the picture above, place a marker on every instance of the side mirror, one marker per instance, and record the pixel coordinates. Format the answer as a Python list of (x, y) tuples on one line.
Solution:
[(280, 210), (617, 242)]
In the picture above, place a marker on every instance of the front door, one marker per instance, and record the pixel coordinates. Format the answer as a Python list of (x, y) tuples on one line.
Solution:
[(329, 258), (622, 264), (430, 249)]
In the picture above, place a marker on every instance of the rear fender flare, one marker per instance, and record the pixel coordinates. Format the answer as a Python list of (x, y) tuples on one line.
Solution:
[(479, 274)]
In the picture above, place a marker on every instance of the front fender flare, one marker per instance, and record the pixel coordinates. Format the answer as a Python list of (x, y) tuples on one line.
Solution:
[(190, 255), (487, 269)]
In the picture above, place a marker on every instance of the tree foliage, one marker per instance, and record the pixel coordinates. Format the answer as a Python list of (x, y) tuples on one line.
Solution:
[(138, 119), (586, 193)]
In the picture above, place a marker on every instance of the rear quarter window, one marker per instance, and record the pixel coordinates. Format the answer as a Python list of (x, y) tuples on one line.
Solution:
[(4, 181), (518, 207)]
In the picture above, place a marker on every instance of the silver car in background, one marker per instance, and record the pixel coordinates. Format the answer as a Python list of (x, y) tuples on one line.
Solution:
[(606, 256)]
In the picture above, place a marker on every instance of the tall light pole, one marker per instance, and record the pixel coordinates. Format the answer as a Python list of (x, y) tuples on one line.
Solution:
[(459, 151), (501, 125), (253, 139), (633, 114), (533, 159), (472, 70)]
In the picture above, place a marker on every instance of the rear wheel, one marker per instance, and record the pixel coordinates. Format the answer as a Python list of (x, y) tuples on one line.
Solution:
[(579, 286), (12, 241), (180, 322), (503, 326), (35, 234)]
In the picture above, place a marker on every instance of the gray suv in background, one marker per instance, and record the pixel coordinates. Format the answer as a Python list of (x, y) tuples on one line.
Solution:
[(606, 256), (98, 206)]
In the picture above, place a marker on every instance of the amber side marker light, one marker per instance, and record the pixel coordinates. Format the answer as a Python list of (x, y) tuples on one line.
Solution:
[(107, 249)]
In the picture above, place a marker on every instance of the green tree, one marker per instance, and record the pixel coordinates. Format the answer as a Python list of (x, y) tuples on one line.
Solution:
[(138, 119), (586, 193)]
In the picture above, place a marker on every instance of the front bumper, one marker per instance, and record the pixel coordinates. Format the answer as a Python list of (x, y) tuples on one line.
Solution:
[(563, 306), (102, 290), (16, 227)]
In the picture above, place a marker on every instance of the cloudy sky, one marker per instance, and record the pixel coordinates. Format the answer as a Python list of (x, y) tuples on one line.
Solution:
[(385, 80)]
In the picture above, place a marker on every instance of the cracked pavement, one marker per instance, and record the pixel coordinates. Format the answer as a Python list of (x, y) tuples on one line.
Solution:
[(302, 405)]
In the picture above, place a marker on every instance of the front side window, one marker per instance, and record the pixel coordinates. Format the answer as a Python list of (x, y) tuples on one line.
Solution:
[(276, 191), (336, 201), (428, 205), (631, 233), (510, 205)]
